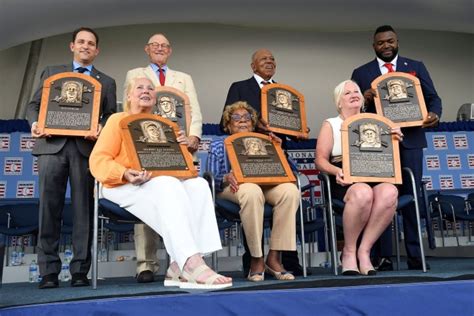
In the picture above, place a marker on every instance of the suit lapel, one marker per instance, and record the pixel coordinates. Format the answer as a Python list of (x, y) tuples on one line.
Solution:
[(402, 64), (374, 69), (150, 74), (170, 77), (95, 74), (254, 87)]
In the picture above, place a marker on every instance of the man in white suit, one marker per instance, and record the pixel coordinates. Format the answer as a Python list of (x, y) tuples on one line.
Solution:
[(158, 49)]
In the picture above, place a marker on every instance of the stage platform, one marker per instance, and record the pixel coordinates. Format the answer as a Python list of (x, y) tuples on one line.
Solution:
[(447, 287)]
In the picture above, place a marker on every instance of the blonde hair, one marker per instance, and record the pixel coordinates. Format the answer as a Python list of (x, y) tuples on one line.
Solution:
[(339, 91), (230, 109), (131, 85)]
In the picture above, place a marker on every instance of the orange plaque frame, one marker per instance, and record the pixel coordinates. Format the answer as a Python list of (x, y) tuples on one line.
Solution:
[(379, 81), (46, 92), (187, 104), (237, 170), (131, 149), (301, 104), (346, 157)]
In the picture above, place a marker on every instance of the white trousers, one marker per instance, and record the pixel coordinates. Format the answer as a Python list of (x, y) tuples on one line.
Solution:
[(182, 212)]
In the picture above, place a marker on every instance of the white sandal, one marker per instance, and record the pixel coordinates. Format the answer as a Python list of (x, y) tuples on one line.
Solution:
[(172, 278), (189, 280)]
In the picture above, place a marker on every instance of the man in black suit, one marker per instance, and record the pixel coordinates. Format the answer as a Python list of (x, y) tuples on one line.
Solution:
[(67, 157), (411, 148), (263, 66)]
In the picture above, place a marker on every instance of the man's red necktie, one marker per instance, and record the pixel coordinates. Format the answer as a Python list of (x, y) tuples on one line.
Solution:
[(389, 67), (161, 76)]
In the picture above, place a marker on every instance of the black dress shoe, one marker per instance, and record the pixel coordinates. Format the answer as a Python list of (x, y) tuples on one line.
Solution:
[(79, 279), (385, 264), (49, 281), (414, 263), (145, 277)]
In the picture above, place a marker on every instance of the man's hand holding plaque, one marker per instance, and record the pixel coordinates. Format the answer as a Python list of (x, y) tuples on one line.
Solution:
[(283, 110), (69, 106), (398, 97)]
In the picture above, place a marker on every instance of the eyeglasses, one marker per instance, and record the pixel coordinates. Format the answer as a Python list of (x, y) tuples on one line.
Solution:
[(238, 117), (158, 45)]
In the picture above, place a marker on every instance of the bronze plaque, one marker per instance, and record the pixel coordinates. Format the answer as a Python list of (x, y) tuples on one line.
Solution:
[(174, 105), (400, 99), (70, 104), (370, 152), (283, 109), (257, 159), (150, 142)]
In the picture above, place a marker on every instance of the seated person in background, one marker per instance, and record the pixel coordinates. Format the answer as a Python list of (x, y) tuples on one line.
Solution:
[(369, 208), (182, 212), (240, 117)]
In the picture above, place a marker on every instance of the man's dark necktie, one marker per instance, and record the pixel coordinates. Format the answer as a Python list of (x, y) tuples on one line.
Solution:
[(82, 70)]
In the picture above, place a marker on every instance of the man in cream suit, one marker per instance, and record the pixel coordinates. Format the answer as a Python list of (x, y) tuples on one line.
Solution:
[(158, 49)]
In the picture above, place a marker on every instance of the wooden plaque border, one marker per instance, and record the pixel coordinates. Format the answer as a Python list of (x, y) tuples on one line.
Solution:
[(187, 103), (132, 153), (419, 93), (234, 162), (45, 102), (396, 179), (264, 109)]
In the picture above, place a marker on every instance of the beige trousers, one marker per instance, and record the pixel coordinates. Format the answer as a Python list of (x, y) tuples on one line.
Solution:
[(146, 246), (251, 198)]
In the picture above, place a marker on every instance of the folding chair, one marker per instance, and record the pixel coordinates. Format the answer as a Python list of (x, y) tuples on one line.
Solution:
[(230, 211), (451, 208), (331, 204), (113, 212)]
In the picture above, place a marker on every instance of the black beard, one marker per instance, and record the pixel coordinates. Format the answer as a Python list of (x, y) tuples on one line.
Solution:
[(387, 59)]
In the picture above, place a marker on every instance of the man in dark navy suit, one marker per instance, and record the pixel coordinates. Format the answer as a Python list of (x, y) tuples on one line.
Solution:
[(67, 157), (263, 65), (411, 148)]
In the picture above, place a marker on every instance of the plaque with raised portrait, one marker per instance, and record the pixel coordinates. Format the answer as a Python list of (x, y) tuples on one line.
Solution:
[(400, 99), (283, 109), (70, 104), (150, 142), (257, 159), (174, 105), (370, 151)]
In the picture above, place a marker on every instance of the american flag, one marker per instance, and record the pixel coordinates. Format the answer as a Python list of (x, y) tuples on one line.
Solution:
[(305, 163), (25, 189), (4, 142), (3, 189), (439, 142), (27, 142), (446, 182), (13, 166), (467, 181), (454, 161), (460, 141), (432, 162)]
